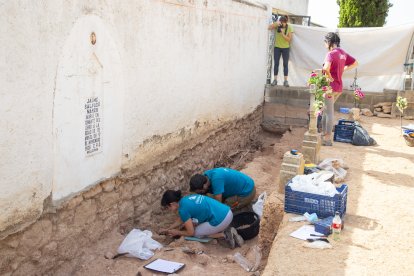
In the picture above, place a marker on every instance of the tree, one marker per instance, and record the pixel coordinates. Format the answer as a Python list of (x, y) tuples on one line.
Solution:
[(401, 105), (363, 13)]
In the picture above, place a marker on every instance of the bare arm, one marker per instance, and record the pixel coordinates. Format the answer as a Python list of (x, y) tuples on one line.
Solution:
[(327, 69), (219, 197), (287, 37), (349, 67), (177, 224), (187, 232), (272, 26)]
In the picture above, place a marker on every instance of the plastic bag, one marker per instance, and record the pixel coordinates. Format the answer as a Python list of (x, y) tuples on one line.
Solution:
[(336, 166), (311, 218), (242, 261), (245, 263), (315, 183), (257, 258), (139, 244), (361, 137), (318, 245), (297, 219), (258, 206)]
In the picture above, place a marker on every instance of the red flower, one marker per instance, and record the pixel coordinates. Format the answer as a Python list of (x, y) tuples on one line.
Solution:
[(359, 94), (327, 96)]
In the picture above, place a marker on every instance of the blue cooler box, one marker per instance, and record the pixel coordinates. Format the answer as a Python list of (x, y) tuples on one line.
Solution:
[(323, 226)]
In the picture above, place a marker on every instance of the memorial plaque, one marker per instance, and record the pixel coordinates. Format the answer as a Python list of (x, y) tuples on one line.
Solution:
[(93, 126)]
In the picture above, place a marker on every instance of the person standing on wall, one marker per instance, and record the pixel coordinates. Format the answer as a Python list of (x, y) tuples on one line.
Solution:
[(284, 33), (336, 62), (229, 186)]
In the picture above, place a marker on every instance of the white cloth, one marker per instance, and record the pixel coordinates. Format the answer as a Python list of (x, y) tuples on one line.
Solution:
[(380, 52)]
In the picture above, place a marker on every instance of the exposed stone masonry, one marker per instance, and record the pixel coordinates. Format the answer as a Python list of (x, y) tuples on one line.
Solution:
[(59, 236)]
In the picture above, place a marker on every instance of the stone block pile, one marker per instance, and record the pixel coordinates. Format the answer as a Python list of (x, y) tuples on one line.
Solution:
[(383, 110)]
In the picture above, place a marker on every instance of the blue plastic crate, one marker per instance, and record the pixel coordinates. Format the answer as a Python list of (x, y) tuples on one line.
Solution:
[(344, 131), (323, 206), (344, 110), (343, 122)]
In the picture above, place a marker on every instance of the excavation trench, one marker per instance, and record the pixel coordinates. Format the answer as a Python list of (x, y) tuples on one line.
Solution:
[(75, 237), (261, 159)]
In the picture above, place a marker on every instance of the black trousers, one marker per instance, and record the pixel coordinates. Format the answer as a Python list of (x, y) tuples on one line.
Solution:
[(284, 52)]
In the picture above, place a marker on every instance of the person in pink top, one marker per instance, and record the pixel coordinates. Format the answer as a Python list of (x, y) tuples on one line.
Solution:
[(336, 62)]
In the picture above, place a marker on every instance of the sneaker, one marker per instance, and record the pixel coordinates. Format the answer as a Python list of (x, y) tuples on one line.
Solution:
[(286, 83), (228, 237), (274, 83), (236, 237)]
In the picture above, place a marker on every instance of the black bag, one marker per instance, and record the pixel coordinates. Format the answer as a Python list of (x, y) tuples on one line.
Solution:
[(361, 137)]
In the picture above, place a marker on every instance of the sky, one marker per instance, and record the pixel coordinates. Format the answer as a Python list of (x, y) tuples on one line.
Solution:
[(326, 12)]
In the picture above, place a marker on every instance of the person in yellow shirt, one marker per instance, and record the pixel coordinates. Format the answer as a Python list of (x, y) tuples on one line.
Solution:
[(283, 37)]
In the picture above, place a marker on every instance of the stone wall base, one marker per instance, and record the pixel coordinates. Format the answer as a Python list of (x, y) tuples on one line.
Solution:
[(57, 237)]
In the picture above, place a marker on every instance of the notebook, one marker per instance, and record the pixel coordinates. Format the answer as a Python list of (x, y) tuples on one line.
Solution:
[(165, 266)]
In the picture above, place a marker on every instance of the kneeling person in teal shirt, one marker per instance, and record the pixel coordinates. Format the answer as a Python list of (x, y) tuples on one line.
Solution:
[(211, 217), (229, 186)]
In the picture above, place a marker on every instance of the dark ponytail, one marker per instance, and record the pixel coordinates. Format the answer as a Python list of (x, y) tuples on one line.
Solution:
[(332, 39), (170, 196)]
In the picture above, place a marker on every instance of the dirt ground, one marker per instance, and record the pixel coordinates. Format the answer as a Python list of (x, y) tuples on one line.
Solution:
[(378, 238), (261, 161)]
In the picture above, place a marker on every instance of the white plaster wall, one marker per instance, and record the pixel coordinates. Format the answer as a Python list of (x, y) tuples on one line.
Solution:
[(87, 71), (191, 62), (27, 72), (182, 61)]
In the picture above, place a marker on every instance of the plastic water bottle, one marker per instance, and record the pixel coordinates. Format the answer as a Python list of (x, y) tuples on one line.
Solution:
[(242, 261), (336, 226)]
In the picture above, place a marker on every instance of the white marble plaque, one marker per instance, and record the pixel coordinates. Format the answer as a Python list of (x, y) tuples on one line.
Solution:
[(93, 126)]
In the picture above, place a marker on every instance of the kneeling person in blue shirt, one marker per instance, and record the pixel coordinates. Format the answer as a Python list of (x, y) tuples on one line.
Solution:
[(212, 217), (229, 186)]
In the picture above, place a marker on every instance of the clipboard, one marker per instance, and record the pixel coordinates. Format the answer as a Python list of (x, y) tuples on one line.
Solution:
[(161, 265), (305, 232)]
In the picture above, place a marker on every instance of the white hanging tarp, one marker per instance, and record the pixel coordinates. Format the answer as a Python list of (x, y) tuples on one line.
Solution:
[(380, 52)]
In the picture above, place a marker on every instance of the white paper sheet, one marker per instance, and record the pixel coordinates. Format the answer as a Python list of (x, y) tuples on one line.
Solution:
[(164, 266), (304, 232)]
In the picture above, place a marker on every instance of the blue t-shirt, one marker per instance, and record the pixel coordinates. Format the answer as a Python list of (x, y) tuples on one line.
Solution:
[(202, 208), (229, 182)]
